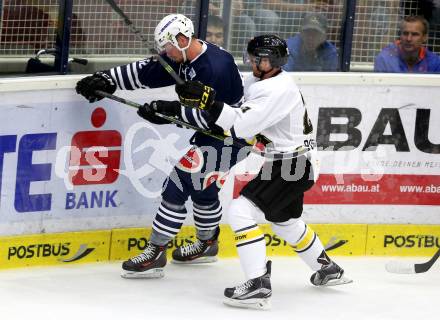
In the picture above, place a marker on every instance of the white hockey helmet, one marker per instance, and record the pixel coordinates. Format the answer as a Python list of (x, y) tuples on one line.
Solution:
[(168, 29)]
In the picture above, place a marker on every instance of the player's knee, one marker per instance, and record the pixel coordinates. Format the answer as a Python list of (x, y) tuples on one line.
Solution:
[(240, 214), (294, 227), (206, 204), (175, 191)]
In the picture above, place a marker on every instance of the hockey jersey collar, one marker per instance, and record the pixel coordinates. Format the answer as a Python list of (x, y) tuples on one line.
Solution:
[(204, 48)]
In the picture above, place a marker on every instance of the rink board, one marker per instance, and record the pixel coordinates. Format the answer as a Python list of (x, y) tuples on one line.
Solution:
[(379, 182), (52, 249), (348, 240), (402, 240), (121, 244), (68, 165)]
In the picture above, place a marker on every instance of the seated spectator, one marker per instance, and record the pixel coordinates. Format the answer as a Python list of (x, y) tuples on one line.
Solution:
[(241, 26), (290, 12), (266, 21), (25, 28), (409, 54), (215, 31), (309, 50)]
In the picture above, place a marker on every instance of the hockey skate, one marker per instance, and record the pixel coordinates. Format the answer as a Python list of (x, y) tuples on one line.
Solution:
[(253, 294), (329, 275), (201, 251), (148, 264)]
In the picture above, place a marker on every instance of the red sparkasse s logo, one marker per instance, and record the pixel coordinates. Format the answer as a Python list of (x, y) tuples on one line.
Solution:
[(192, 161), (95, 155), (217, 177)]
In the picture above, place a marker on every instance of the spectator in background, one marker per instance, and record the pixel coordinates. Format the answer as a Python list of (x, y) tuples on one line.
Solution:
[(430, 10), (290, 12), (248, 19), (241, 26), (26, 28), (215, 31), (409, 54), (309, 50), (266, 21)]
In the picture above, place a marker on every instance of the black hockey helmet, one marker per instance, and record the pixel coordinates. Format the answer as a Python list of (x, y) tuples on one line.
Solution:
[(269, 46)]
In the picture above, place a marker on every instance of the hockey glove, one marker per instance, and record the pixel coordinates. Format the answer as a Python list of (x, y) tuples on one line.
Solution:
[(194, 94), (98, 81), (169, 108)]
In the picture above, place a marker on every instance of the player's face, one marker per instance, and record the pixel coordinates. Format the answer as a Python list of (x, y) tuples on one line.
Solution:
[(312, 39), (258, 67), (173, 53), (412, 37)]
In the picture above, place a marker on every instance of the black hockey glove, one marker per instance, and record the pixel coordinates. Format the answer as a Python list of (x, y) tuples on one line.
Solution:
[(98, 81), (194, 94), (169, 108)]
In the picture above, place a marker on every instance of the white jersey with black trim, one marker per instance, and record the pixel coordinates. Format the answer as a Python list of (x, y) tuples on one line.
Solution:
[(274, 108)]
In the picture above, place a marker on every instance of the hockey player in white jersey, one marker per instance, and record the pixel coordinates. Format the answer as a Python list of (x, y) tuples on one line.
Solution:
[(274, 108)]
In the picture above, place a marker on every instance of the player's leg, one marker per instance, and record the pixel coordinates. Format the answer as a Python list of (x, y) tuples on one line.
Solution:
[(207, 212), (167, 223), (251, 247), (284, 216), (260, 195), (205, 165), (309, 248)]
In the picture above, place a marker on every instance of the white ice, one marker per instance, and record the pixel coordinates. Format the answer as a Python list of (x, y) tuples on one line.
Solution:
[(96, 291)]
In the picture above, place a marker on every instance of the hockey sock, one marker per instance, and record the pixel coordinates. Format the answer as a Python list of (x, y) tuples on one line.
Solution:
[(303, 239), (159, 239), (251, 249), (249, 238), (206, 219), (168, 221)]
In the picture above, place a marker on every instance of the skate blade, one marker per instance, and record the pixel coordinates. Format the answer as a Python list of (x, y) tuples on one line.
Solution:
[(337, 282), (149, 274), (258, 304), (196, 261)]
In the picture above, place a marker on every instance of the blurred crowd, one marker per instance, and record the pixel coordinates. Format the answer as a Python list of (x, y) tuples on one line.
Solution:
[(382, 36)]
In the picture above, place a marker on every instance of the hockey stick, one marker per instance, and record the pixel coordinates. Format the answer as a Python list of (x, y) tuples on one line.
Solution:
[(136, 31), (226, 139), (333, 244), (403, 267), (171, 119)]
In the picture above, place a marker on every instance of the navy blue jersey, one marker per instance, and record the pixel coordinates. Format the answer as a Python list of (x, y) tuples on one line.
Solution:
[(194, 175), (214, 67)]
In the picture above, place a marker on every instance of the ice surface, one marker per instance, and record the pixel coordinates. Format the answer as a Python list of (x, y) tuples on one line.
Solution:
[(96, 291)]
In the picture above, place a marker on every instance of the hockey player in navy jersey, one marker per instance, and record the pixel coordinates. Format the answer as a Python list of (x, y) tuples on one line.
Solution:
[(274, 108), (194, 60)]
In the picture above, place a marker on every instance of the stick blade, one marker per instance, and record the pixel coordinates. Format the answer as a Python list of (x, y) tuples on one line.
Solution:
[(400, 267)]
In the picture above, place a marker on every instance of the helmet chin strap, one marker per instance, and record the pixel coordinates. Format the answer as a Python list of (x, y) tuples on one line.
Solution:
[(184, 55), (183, 50)]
